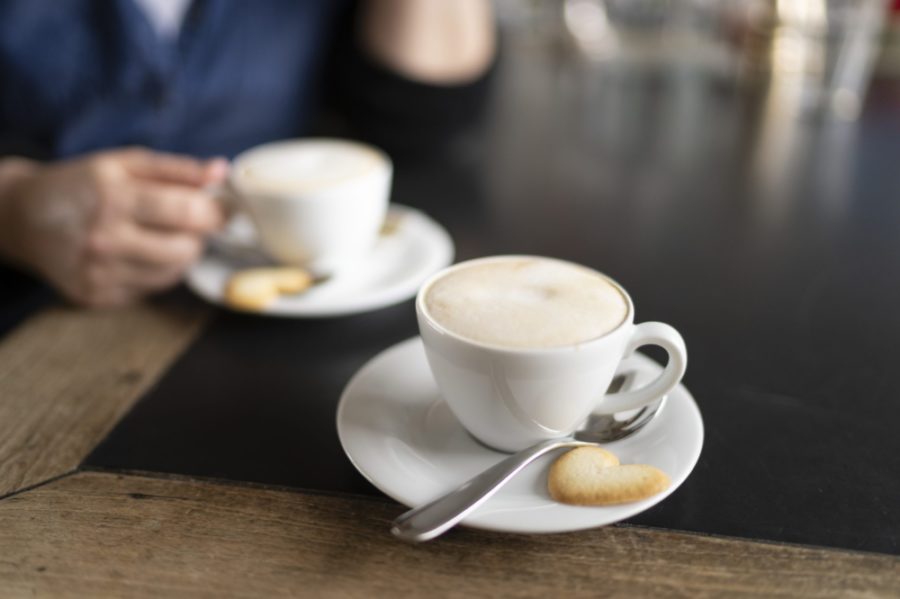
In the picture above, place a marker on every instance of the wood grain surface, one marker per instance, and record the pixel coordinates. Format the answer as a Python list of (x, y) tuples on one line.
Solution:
[(67, 376), (99, 534)]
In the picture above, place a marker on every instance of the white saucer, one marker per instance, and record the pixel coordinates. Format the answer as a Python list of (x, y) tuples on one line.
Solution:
[(401, 436), (410, 249)]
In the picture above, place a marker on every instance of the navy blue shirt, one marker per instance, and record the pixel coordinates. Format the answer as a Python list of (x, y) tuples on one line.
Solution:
[(78, 75)]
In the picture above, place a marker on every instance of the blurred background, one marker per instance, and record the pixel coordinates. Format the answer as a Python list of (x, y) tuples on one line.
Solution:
[(671, 85)]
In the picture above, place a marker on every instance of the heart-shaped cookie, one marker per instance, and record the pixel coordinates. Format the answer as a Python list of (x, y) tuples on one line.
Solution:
[(589, 476), (256, 288)]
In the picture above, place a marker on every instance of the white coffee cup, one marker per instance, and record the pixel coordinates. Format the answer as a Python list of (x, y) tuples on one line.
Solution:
[(536, 387), (315, 203)]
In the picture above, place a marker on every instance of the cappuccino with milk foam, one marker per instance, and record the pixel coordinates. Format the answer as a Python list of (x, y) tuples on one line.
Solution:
[(522, 302), (306, 167)]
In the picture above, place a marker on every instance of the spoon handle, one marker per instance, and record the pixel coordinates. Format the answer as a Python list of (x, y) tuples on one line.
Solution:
[(436, 517)]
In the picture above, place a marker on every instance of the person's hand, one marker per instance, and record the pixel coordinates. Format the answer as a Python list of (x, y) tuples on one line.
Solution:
[(108, 228)]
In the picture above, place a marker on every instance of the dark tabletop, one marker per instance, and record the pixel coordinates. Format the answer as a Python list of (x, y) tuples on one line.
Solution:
[(771, 242)]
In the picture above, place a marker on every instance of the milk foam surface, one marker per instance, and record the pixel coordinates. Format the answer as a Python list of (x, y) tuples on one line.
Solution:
[(304, 167), (526, 303)]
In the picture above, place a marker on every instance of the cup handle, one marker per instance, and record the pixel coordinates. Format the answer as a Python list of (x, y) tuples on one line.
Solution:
[(227, 195), (651, 333)]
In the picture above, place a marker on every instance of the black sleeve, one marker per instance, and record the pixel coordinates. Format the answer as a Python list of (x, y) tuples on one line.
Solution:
[(398, 114), (20, 296)]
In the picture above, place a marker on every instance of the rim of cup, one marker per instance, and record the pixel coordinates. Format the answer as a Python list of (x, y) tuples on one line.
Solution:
[(422, 308), (381, 161)]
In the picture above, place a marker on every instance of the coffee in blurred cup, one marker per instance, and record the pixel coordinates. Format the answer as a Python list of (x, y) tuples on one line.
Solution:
[(315, 203)]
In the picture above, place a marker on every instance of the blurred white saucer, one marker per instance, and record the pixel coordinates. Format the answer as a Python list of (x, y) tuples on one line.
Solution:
[(412, 246)]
